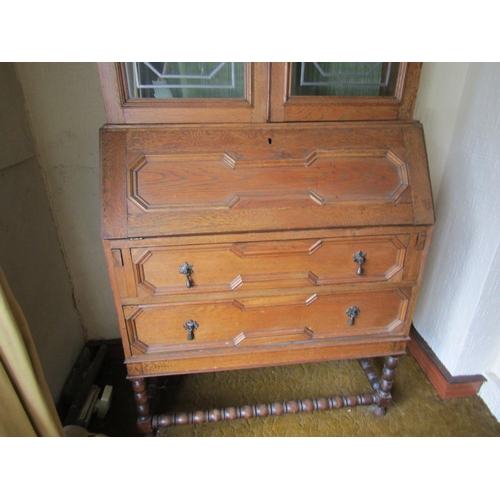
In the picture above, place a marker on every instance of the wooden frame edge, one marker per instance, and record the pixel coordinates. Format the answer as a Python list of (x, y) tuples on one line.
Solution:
[(285, 107), (253, 107), (111, 92), (409, 97)]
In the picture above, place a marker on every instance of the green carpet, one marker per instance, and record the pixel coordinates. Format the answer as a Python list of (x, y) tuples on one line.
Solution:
[(417, 410)]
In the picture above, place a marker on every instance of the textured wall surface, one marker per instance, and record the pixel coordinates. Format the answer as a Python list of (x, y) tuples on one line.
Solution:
[(30, 253), (16, 141), (66, 108), (438, 99), (458, 311)]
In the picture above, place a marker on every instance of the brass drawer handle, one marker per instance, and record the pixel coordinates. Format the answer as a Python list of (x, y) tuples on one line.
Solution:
[(360, 258), (352, 312), (187, 270), (190, 326)]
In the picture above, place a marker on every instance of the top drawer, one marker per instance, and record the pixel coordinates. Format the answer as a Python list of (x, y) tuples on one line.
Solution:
[(221, 267), (219, 179)]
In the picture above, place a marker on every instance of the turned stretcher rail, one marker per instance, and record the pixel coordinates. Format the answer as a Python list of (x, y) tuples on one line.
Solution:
[(380, 398), (261, 410)]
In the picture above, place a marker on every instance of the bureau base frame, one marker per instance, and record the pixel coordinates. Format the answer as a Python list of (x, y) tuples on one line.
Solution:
[(380, 397)]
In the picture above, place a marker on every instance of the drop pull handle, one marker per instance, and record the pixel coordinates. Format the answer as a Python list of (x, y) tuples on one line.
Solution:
[(352, 312), (190, 326), (187, 270), (360, 258)]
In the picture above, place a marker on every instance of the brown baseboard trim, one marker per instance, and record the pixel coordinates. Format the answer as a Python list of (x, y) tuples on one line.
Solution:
[(445, 384)]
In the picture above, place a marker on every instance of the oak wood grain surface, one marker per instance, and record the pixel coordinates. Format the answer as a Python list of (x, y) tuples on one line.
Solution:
[(261, 320), (224, 359), (257, 265), (184, 180)]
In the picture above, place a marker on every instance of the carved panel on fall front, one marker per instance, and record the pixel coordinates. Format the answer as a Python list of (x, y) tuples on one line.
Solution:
[(220, 182), (263, 321), (182, 188), (269, 264)]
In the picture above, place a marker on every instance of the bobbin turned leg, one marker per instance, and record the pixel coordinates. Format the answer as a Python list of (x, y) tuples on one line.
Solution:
[(139, 385), (383, 392)]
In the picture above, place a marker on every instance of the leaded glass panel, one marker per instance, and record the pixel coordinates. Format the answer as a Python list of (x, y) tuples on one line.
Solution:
[(344, 78), (185, 80)]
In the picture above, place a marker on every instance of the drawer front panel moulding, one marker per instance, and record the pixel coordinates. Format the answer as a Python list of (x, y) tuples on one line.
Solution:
[(259, 265), (265, 320)]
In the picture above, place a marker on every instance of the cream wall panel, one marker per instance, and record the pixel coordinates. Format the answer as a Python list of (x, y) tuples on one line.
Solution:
[(457, 312), (16, 142), (31, 258), (438, 100), (30, 253), (66, 108)]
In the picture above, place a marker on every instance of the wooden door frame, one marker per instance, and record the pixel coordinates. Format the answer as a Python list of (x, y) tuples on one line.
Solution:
[(268, 98), (284, 107), (122, 110)]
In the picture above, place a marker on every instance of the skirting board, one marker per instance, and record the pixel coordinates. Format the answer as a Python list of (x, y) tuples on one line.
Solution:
[(445, 384)]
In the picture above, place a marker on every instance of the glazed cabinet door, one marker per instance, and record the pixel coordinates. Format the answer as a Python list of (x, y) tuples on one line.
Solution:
[(185, 92), (343, 91), (257, 92)]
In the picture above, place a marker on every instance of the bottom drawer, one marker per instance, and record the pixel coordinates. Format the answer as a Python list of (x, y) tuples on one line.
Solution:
[(264, 321)]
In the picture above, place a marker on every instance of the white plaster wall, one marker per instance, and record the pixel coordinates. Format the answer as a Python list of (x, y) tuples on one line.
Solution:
[(16, 141), (490, 392), (30, 252), (458, 311), (66, 109), (438, 99)]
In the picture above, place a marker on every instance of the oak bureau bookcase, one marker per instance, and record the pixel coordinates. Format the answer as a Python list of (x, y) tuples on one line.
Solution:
[(256, 214)]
